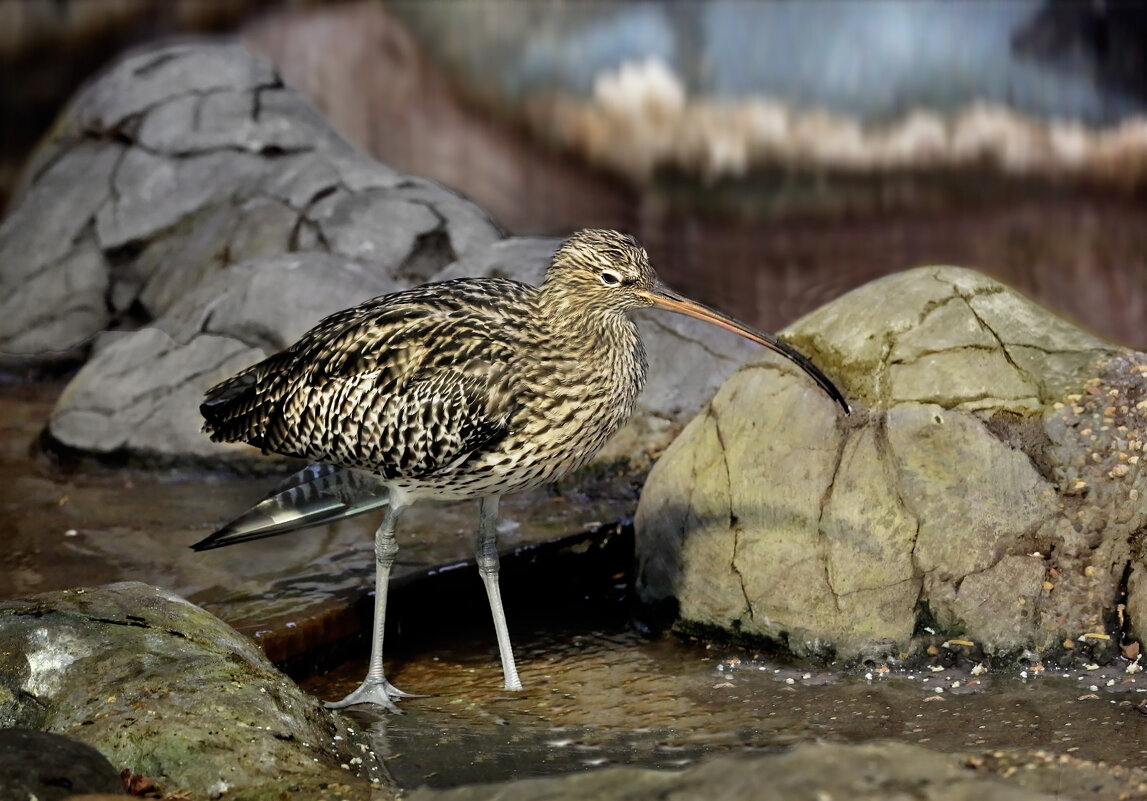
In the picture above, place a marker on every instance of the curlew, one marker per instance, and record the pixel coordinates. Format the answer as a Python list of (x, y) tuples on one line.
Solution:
[(471, 388)]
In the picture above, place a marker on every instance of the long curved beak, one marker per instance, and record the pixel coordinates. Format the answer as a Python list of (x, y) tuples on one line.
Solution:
[(663, 297)]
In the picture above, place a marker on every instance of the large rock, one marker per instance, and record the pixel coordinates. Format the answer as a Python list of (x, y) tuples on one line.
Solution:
[(169, 692), (987, 485), (179, 161)]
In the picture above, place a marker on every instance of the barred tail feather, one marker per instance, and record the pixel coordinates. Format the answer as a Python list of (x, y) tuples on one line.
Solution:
[(315, 495)]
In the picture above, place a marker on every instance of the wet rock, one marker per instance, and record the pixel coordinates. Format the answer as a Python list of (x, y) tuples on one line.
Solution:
[(168, 691), (988, 484), (877, 771), (49, 767), (178, 162), (1136, 609)]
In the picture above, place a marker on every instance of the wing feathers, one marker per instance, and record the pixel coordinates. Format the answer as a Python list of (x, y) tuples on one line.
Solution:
[(402, 385)]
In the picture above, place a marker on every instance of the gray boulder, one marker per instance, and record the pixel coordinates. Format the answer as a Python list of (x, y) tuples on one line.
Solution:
[(179, 161), (140, 392), (170, 692), (987, 485)]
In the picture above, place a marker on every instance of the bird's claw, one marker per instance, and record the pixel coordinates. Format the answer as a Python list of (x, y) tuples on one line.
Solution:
[(373, 691)]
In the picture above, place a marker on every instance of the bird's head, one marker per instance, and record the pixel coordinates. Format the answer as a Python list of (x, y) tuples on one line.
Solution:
[(604, 274), (601, 270)]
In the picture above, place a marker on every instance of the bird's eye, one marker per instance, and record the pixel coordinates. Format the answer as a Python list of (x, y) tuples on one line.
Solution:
[(610, 278)]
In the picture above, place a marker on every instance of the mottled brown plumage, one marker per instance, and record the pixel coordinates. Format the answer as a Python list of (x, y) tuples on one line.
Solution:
[(449, 390), (466, 388)]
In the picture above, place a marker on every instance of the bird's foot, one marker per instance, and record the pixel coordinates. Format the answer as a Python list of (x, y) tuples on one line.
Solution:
[(373, 691)]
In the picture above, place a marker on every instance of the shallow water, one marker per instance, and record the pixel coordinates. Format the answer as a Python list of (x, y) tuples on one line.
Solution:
[(600, 689), (600, 693)]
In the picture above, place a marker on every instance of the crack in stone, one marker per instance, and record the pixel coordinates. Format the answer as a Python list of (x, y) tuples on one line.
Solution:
[(989, 349), (946, 402), (134, 622), (126, 134), (49, 316), (951, 349), (409, 269), (305, 219), (155, 62), (320, 235), (197, 110), (888, 457), (933, 306), (257, 96), (822, 536), (881, 385), (670, 331), (984, 292), (304, 214), (734, 524)]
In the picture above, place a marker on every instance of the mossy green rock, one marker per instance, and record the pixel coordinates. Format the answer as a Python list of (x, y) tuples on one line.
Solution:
[(166, 690), (986, 484)]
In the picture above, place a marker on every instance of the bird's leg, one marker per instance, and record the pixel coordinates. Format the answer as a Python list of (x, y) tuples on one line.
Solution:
[(375, 689), (487, 557)]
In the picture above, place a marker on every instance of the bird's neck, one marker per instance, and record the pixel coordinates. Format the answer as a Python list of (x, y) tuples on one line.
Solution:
[(586, 329)]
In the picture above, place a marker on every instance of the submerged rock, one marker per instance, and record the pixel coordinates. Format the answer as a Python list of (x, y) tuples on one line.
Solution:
[(170, 692), (51, 767), (875, 771), (988, 484)]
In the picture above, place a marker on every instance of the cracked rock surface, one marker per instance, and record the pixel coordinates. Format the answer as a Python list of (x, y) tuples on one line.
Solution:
[(988, 485), (166, 690), (179, 161)]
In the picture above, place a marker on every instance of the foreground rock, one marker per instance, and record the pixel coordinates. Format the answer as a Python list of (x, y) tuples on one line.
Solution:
[(166, 690), (877, 771), (988, 485)]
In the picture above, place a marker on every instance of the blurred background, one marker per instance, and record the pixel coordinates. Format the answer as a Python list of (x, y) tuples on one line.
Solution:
[(771, 155)]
